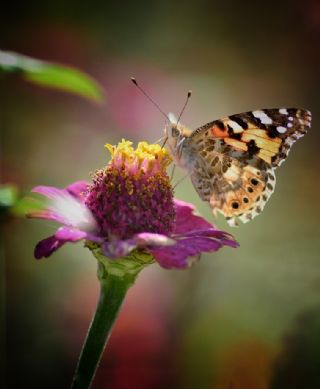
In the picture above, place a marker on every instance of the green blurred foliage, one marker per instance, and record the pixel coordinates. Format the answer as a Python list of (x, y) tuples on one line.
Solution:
[(8, 196), (51, 75), (13, 204)]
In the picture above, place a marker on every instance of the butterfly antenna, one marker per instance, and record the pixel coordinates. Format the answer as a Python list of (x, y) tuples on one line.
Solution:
[(184, 106), (160, 139), (172, 172), (164, 142), (148, 97)]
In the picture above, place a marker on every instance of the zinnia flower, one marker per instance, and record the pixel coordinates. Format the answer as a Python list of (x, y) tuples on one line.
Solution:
[(129, 206)]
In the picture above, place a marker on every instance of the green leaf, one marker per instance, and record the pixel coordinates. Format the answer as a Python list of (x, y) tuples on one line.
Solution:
[(8, 195), (27, 205), (11, 202), (51, 75)]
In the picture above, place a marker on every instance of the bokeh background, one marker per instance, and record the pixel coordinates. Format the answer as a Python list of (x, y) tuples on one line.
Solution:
[(240, 319)]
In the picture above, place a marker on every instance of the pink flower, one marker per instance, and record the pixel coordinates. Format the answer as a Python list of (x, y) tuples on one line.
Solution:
[(130, 206)]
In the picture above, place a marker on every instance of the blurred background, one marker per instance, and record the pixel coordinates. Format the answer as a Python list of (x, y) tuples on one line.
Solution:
[(240, 319)]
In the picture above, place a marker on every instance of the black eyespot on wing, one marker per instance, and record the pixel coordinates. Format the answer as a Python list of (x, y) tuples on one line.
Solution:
[(269, 186)]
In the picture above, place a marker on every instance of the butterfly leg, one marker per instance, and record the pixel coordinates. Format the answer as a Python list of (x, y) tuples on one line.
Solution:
[(172, 172)]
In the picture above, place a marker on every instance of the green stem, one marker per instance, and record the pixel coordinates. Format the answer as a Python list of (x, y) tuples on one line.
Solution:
[(115, 278)]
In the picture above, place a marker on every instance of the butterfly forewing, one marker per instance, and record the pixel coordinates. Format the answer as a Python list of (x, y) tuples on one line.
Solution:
[(268, 133)]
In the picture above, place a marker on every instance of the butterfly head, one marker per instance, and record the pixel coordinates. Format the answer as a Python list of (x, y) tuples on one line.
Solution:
[(174, 133)]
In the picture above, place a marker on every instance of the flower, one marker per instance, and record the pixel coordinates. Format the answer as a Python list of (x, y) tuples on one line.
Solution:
[(129, 206)]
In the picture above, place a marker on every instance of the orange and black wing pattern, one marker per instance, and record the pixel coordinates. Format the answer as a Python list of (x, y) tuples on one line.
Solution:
[(267, 134)]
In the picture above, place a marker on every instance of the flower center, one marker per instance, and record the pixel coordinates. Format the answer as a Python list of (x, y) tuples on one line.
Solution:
[(133, 193)]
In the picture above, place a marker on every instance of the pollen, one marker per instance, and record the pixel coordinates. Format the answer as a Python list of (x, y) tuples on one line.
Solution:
[(147, 156)]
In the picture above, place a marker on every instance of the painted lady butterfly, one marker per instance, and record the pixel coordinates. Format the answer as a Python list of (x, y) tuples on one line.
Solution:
[(232, 161)]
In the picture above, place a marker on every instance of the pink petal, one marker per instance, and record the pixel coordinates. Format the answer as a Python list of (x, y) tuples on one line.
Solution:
[(150, 239), (47, 215), (184, 252), (70, 234), (63, 235), (187, 220), (47, 246), (48, 191), (77, 189), (121, 248), (66, 206)]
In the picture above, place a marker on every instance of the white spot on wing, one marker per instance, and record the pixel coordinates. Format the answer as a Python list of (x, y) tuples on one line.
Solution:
[(308, 115), (232, 222), (283, 111), (290, 125), (264, 118), (232, 174), (235, 126), (281, 129)]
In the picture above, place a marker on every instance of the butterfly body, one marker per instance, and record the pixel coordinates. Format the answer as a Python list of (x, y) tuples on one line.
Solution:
[(231, 161)]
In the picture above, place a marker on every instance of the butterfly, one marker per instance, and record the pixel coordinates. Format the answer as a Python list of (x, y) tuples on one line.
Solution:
[(232, 161)]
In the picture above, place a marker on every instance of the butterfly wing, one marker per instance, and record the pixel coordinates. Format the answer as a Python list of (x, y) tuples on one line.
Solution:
[(237, 156), (233, 186), (268, 134)]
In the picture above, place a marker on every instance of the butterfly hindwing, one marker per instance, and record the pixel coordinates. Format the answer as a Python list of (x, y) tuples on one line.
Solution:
[(233, 187), (246, 200)]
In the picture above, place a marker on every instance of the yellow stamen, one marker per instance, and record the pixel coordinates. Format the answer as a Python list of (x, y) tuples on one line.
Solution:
[(144, 151)]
